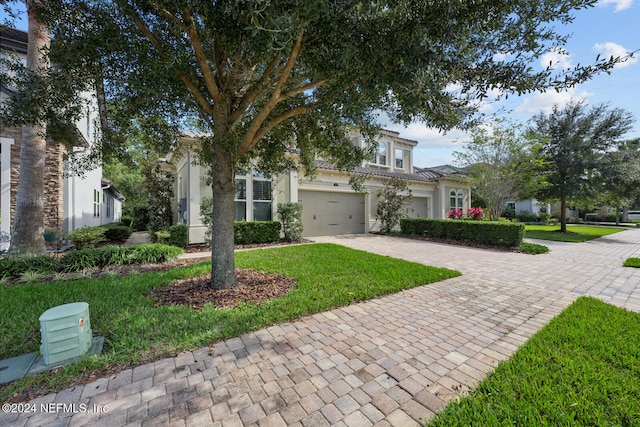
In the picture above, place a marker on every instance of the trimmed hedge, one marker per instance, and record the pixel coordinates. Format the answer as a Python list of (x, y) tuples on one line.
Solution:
[(485, 232), (179, 236), (248, 232), (116, 232)]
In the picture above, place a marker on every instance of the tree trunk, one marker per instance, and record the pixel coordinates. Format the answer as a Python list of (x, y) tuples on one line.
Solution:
[(223, 186), (28, 226), (563, 214)]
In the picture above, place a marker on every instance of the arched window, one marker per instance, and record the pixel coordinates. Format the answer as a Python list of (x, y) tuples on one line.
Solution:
[(452, 199), (460, 199)]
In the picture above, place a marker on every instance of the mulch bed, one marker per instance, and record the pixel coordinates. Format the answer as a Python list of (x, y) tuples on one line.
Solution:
[(251, 287)]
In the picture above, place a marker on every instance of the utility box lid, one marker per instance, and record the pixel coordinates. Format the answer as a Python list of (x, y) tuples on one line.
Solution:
[(66, 310), (66, 332)]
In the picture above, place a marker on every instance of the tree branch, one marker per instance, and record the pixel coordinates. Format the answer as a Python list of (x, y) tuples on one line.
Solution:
[(250, 136), (201, 59), (144, 28)]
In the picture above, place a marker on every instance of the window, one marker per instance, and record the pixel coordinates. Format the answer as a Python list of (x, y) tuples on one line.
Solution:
[(399, 159), (380, 158), (108, 202), (96, 203), (241, 199), (456, 199), (261, 200)]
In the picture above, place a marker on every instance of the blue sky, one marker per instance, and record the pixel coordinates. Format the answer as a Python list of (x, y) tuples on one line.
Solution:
[(610, 28)]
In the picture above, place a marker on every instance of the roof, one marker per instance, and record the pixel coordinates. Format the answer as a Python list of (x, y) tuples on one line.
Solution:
[(108, 185), (13, 39), (423, 175)]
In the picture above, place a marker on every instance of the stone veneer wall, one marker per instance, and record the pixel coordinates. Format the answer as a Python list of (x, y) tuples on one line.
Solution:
[(53, 187)]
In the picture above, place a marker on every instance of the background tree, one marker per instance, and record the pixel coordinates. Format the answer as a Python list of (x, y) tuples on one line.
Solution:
[(619, 176), (260, 78), (501, 162), (573, 139)]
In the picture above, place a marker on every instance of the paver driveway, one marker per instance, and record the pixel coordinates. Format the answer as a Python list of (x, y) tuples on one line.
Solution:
[(390, 361)]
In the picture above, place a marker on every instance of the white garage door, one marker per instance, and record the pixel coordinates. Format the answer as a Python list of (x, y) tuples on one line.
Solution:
[(326, 214), (419, 208)]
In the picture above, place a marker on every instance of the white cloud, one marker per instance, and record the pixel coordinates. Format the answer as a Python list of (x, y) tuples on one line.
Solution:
[(609, 49), (556, 59), (620, 4), (544, 102)]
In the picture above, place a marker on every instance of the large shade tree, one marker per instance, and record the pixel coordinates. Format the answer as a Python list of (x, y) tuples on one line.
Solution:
[(263, 77), (574, 139)]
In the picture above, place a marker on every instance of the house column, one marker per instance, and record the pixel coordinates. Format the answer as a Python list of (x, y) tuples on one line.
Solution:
[(5, 188)]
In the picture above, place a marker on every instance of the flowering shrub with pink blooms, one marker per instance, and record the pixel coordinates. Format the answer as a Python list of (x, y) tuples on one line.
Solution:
[(455, 213), (476, 213)]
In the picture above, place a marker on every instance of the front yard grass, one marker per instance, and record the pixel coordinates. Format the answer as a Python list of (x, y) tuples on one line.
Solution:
[(575, 233), (583, 368), (632, 262), (136, 332)]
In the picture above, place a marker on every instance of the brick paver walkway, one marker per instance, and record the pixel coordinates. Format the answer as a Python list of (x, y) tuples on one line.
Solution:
[(392, 361)]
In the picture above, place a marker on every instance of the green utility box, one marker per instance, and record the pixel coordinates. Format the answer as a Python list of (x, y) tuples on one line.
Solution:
[(66, 332)]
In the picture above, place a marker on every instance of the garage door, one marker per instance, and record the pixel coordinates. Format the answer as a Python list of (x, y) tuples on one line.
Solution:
[(326, 213), (419, 208)]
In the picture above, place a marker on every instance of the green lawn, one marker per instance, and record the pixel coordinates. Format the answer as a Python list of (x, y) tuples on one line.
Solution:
[(136, 332), (575, 233), (582, 369), (632, 262)]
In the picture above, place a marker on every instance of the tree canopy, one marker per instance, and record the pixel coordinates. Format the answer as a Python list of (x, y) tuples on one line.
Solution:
[(574, 140), (262, 77)]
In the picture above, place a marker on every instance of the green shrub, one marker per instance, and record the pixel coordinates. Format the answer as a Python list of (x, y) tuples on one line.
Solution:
[(533, 248), (179, 236), (113, 255), (161, 237), (16, 267), (116, 232), (87, 237), (248, 232), (126, 220), (290, 214), (79, 259), (154, 253), (526, 216), (485, 232)]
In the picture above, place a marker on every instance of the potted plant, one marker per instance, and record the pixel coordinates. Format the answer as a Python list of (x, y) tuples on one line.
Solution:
[(51, 235)]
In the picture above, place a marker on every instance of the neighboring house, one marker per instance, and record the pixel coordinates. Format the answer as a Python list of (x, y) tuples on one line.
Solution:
[(71, 201), (330, 205), (531, 206)]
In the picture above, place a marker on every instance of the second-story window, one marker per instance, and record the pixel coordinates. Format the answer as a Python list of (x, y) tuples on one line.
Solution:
[(380, 158), (399, 159)]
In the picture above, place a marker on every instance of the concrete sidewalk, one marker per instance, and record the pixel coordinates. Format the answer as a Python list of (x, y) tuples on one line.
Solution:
[(392, 361)]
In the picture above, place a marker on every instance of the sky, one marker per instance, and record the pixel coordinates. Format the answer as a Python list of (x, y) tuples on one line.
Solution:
[(609, 28)]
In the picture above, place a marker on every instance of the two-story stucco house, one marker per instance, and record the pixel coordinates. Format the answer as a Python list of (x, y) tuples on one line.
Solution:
[(71, 201), (330, 205)]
